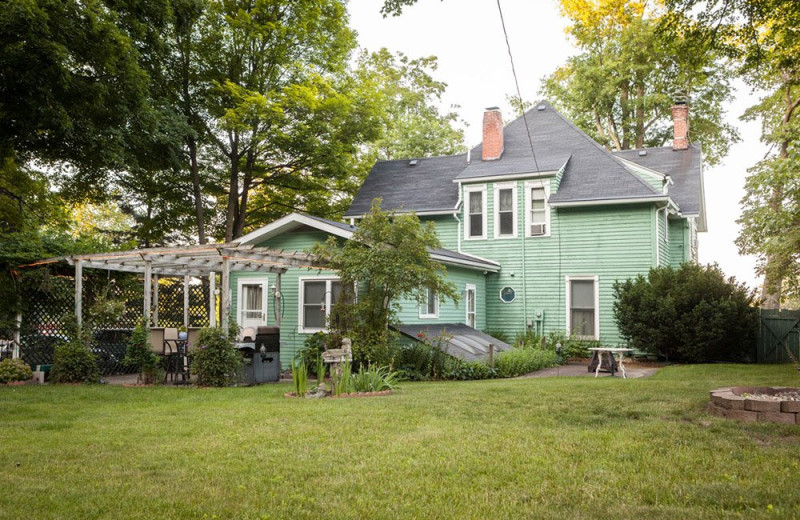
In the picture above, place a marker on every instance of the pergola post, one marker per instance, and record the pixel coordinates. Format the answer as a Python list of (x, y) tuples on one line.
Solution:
[(79, 292), (278, 296), (186, 301), (225, 289), (155, 300), (148, 288), (212, 299)]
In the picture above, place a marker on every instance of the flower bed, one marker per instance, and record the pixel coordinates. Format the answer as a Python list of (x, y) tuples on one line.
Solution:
[(757, 404), (342, 396)]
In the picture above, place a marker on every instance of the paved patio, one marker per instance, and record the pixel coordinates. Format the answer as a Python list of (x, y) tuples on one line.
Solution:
[(580, 369)]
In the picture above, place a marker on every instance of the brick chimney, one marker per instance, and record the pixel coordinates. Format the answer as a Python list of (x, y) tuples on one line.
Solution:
[(492, 134), (680, 122)]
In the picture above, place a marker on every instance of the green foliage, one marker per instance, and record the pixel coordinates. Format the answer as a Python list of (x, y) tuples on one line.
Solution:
[(527, 339), (13, 370), (408, 96), (424, 359), (73, 362), (498, 334), (314, 346), (571, 346), (519, 361), (619, 90), (470, 370), (321, 369), (374, 379), (299, 377), (389, 261), (342, 379), (215, 360), (140, 355), (691, 314)]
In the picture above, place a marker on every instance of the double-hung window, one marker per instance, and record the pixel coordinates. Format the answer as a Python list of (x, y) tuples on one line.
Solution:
[(476, 212), (317, 297), (582, 303), (429, 308), (505, 207), (538, 209)]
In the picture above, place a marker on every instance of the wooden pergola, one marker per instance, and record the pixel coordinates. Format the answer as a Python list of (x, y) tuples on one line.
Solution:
[(189, 261)]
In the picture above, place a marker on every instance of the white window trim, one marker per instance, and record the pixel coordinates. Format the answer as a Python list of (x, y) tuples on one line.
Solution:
[(537, 184), (514, 213), (482, 191), (595, 279), (249, 280), (301, 328), (423, 307), (471, 287)]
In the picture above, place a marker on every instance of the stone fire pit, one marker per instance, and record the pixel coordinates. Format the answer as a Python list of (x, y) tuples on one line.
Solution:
[(757, 404)]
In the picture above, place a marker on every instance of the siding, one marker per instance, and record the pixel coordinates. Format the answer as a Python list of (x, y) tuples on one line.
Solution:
[(678, 242), (450, 312), (610, 242), (446, 229)]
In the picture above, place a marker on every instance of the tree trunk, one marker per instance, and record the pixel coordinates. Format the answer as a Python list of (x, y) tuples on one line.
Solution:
[(774, 270), (626, 115), (198, 194), (639, 116), (232, 212)]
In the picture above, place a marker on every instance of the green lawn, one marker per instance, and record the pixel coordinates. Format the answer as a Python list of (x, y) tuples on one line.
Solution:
[(528, 448)]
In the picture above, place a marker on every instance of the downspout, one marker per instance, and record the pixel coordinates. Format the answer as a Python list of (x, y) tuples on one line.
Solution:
[(524, 263), (455, 216)]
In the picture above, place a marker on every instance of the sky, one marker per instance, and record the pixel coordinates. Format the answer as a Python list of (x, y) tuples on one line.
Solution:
[(467, 38)]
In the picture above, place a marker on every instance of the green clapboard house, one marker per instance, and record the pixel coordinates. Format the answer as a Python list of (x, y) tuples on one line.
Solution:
[(536, 224)]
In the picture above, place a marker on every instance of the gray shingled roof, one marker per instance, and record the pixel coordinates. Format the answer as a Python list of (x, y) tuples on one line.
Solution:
[(426, 186), (683, 166), (592, 173), (467, 343)]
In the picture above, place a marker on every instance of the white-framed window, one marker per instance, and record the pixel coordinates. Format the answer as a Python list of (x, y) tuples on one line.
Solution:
[(317, 297), (583, 307), (429, 308), (537, 209), (470, 295), (505, 210), (475, 225)]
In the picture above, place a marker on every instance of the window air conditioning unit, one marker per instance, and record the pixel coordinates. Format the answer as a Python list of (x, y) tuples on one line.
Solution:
[(537, 230)]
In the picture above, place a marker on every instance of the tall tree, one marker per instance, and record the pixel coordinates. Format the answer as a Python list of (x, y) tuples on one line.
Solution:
[(407, 94), (762, 36), (620, 88)]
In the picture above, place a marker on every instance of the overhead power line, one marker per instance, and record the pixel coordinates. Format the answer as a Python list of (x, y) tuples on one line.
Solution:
[(516, 82)]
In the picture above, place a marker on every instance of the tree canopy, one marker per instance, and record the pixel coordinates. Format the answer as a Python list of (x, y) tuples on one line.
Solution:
[(621, 87)]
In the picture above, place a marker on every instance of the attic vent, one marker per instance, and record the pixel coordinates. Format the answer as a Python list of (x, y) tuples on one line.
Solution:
[(642, 153), (540, 108), (412, 162)]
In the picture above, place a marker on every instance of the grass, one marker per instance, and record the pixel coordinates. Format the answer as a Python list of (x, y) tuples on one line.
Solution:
[(526, 448)]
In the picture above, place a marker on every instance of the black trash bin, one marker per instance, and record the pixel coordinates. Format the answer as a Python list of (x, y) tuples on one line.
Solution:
[(262, 357)]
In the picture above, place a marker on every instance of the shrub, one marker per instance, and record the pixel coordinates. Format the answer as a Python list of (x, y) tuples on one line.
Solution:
[(73, 362), (690, 314), (313, 348), (140, 355), (470, 370), (571, 346), (424, 359), (374, 379), (528, 339), (215, 361), (518, 361), (12, 370)]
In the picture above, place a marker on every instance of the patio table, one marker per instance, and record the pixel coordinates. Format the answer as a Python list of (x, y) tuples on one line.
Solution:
[(611, 351)]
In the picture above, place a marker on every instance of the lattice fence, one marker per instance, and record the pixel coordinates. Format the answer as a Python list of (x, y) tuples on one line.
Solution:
[(112, 306)]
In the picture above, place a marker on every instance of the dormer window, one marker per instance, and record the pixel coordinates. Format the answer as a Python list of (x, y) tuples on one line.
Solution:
[(476, 212), (538, 209), (505, 204)]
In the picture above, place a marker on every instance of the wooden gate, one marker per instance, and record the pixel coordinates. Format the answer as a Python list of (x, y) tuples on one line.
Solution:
[(779, 332)]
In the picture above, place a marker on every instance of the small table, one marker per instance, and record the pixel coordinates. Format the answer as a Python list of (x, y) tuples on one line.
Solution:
[(611, 351)]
